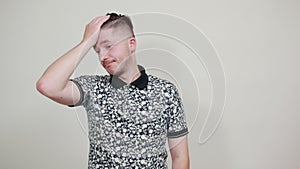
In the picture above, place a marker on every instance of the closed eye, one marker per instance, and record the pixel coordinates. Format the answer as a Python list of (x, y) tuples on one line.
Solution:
[(108, 46)]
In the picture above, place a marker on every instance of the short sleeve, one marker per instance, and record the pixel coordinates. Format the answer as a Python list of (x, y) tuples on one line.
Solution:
[(176, 122), (85, 85)]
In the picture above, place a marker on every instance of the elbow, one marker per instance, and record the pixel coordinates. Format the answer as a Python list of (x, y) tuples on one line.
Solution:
[(44, 87), (40, 86)]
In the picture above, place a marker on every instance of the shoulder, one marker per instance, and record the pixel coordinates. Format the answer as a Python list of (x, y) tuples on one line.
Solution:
[(91, 78), (165, 85), (159, 81), (88, 81)]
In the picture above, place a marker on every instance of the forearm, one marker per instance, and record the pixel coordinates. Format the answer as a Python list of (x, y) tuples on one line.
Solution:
[(58, 73), (55, 83)]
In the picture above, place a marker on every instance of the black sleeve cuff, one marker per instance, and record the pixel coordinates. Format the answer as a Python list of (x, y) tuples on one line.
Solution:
[(81, 94), (178, 133)]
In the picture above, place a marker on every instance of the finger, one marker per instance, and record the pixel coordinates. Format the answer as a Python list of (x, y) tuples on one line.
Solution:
[(96, 19), (102, 19)]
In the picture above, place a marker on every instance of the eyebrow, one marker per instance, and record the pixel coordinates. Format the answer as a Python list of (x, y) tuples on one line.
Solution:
[(103, 42)]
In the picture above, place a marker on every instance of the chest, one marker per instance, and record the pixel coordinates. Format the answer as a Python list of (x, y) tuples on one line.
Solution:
[(130, 110)]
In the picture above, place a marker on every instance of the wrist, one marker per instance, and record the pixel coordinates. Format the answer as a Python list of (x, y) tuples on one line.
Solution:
[(85, 45)]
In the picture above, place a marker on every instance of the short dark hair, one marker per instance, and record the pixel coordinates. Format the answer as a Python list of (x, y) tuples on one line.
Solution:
[(116, 20)]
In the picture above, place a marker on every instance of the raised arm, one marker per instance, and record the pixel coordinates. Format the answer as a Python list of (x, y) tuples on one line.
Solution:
[(55, 82)]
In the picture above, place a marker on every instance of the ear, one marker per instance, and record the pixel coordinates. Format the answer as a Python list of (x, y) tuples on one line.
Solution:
[(132, 44)]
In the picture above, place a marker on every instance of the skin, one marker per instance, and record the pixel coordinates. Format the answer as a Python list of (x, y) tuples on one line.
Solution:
[(115, 48), (116, 52), (179, 152)]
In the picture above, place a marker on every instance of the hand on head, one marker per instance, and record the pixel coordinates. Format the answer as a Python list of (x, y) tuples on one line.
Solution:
[(92, 30)]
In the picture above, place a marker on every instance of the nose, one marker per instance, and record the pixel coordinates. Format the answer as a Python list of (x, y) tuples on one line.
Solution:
[(103, 55)]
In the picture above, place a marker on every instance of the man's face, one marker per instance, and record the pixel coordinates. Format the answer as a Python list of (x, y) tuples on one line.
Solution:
[(114, 50)]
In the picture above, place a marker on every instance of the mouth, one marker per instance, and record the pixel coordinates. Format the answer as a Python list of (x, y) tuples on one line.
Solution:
[(107, 64)]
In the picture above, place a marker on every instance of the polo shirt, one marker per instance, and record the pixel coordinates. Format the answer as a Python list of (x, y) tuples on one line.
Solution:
[(128, 123)]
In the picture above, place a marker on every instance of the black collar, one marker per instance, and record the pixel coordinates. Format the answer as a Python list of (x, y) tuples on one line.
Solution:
[(141, 82)]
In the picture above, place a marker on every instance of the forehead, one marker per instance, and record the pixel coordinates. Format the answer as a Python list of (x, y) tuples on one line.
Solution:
[(115, 33), (112, 36), (108, 35)]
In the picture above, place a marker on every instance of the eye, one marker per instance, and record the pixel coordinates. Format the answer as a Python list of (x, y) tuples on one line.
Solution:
[(108, 46)]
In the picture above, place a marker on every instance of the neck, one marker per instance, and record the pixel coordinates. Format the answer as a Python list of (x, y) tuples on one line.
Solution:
[(130, 75)]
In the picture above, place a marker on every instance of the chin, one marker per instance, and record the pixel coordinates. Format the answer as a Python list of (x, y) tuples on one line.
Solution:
[(112, 71)]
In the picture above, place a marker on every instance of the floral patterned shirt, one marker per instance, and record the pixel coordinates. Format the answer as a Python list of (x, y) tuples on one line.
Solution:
[(129, 123)]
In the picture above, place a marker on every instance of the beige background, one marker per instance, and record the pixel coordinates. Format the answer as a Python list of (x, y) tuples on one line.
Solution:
[(258, 46)]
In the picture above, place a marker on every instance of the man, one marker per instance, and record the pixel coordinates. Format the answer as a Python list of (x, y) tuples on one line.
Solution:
[(130, 114)]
